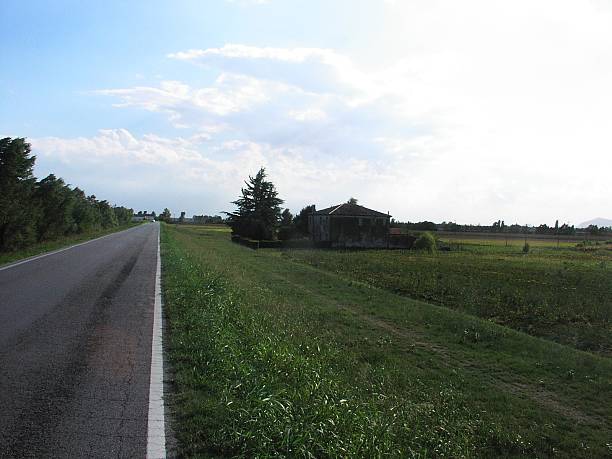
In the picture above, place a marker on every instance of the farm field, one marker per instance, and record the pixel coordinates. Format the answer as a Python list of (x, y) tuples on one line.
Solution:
[(517, 240), (279, 356), (563, 294)]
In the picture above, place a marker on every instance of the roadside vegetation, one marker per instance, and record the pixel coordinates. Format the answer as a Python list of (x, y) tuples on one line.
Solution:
[(36, 215), (277, 355)]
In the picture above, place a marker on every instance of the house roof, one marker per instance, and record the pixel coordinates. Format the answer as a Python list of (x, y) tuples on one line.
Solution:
[(350, 210)]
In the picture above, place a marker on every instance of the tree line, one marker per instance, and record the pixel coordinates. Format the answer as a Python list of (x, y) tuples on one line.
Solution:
[(500, 226), (34, 210), (166, 216)]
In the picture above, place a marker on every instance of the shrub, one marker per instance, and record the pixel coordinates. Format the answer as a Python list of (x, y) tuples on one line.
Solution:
[(426, 241), (526, 247)]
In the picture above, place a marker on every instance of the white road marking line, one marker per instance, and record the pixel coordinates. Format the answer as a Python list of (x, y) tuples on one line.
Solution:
[(156, 431), (38, 257)]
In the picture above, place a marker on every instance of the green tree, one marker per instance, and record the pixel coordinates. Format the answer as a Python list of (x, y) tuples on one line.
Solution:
[(286, 226), (17, 214), (124, 215), (258, 210), (84, 213), (56, 202), (165, 216), (286, 218), (300, 221), (48, 209), (108, 219)]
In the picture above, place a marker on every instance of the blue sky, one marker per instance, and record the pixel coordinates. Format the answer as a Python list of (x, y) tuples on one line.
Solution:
[(436, 110)]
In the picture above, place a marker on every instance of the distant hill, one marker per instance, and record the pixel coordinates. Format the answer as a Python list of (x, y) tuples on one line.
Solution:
[(596, 221)]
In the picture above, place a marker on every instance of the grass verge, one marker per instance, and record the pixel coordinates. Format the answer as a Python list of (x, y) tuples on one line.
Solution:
[(276, 358)]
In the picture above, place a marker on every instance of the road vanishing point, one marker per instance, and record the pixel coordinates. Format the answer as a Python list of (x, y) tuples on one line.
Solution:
[(80, 351)]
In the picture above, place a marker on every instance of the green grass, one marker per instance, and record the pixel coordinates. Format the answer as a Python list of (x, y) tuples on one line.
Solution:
[(275, 358), (49, 246), (517, 240), (560, 294)]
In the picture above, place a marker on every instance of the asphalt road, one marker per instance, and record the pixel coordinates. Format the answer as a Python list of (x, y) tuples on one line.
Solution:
[(75, 349)]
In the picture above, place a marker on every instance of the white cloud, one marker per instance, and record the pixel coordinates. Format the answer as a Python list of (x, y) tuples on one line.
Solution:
[(312, 69), (238, 51), (118, 145), (309, 114), (474, 111), (167, 171), (229, 94)]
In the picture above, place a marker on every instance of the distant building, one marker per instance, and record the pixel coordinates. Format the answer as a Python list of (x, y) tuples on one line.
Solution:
[(349, 225), (183, 220), (143, 216)]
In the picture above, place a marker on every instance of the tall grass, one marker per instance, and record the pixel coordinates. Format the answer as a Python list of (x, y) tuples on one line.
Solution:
[(259, 381)]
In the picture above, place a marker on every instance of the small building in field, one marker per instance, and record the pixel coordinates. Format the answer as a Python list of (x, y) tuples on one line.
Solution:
[(349, 225)]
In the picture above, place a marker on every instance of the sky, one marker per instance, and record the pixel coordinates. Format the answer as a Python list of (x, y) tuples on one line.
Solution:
[(469, 111)]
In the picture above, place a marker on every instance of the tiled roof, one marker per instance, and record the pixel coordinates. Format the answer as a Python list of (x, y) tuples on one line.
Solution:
[(350, 210)]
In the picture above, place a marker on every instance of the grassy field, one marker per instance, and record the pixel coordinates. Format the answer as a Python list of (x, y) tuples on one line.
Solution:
[(49, 246), (274, 357), (563, 294), (517, 240)]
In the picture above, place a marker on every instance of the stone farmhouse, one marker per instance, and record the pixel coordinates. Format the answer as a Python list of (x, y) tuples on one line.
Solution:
[(349, 225)]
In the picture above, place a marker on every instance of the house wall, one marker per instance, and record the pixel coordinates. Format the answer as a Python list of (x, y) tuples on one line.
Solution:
[(346, 231), (359, 232), (319, 228)]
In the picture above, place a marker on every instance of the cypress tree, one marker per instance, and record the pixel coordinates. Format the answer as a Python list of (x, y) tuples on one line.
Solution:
[(258, 212)]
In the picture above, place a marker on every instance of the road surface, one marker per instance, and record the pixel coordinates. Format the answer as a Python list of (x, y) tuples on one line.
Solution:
[(75, 349)]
